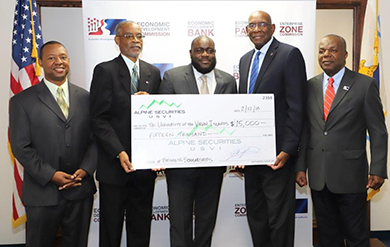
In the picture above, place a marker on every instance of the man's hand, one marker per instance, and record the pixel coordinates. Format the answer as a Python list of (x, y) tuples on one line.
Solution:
[(65, 180), (281, 159), (125, 162), (300, 178), (158, 169), (141, 93), (375, 182)]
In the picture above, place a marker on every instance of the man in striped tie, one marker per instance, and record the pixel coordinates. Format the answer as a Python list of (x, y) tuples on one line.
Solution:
[(342, 106), (50, 136)]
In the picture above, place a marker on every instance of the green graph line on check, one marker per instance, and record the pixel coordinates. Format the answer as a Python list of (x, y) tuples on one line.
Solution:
[(206, 129), (160, 103)]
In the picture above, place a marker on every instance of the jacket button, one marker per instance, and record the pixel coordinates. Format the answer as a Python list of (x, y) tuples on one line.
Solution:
[(325, 133)]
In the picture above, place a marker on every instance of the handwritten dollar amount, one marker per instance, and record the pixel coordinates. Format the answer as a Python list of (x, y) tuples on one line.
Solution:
[(247, 123)]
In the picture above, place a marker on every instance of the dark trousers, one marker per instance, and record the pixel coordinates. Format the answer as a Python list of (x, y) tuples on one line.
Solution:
[(270, 203), (74, 217), (341, 216), (193, 190), (133, 200)]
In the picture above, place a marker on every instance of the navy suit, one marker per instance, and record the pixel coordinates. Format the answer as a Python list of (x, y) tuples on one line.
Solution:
[(270, 195), (44, 141), (193, 186), (119, 191)]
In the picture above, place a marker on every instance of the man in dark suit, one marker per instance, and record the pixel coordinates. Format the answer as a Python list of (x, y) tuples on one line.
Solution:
[(277, 68), (342, 106), (122, 190), (195, 189), (52, 141)]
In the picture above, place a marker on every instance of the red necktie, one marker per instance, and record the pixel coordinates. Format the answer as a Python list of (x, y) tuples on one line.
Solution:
[(329, 96)]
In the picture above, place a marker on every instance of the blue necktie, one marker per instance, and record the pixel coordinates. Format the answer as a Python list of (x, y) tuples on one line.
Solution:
[(134, 79), (254, 72)]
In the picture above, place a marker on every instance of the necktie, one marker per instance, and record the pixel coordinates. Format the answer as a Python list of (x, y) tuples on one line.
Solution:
[(254, 72), (329, 96), (134, 79), (204, 89), (61, 102)]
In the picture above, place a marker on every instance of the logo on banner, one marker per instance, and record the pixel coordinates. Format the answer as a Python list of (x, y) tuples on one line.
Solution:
[(197, 28), (155, 28), (239, 210), (291, 29), (236, 72), (102, 26), (301, 206), (95, 215), (160, 213), (163, 67), (240, 28)]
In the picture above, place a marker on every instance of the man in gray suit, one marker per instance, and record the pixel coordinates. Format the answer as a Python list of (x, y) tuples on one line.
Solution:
[(342, 106), (195, 189), (52, 141)]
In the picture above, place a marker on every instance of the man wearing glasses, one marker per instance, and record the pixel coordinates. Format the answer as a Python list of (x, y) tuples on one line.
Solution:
[(122, 190), (278, 68), (195, 189)]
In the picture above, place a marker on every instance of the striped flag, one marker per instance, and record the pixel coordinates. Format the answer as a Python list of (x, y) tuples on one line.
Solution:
[(371, 55), (25, 72)]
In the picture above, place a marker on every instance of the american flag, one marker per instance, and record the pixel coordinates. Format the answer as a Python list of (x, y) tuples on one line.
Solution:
[(25, 72)]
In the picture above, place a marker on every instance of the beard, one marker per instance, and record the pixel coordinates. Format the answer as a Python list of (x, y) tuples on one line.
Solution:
[(200, 69)]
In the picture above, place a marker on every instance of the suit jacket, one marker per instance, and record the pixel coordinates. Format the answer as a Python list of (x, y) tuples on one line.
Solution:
[(44, 142), (110, 113), (283, 74), (335, 151), (181, 80)]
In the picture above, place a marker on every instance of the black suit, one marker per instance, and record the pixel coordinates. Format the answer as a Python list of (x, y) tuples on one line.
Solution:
[(44, 141), (111, 123), (270, 195), (193, 186), (334, 152)]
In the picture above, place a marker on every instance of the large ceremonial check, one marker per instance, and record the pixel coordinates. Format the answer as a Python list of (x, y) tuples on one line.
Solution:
[(175, 131)]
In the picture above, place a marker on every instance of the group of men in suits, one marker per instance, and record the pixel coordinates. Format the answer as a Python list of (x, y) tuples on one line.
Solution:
[(53, 142)]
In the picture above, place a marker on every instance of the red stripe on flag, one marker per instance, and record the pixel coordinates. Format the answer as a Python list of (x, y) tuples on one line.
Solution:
[(15, 215), (18, 179), (30, 70), (15, 86)]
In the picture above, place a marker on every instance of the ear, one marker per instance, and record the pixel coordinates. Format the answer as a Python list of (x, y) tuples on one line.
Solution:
[(117, 39), (40, 62), (346, 55), (273, 28)]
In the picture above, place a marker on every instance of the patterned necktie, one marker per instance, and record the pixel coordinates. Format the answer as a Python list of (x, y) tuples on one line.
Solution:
[(61, 102), (254, 72), (134, 79), (204, 89), (329, 96)]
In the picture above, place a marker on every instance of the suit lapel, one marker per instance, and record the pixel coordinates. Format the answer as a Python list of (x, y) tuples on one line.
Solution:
[(246, 63), (47, 98), (319, 95), (271, 53), (73, 100), (144, 80), (346, 82), (190, 80), (219, 82), (124, 74)]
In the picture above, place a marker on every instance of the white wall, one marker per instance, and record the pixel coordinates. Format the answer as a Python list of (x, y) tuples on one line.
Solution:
[(68, 32), (7, 234), (380, 204)]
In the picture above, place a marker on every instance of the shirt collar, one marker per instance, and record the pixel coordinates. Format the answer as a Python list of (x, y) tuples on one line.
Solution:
[(129, 63)]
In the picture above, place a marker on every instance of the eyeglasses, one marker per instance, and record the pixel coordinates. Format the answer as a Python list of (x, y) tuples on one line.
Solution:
[(200, 51), (130, 36), (259, 25)]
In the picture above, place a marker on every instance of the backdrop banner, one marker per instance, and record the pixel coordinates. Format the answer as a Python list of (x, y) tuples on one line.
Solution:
[(169, 28)]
